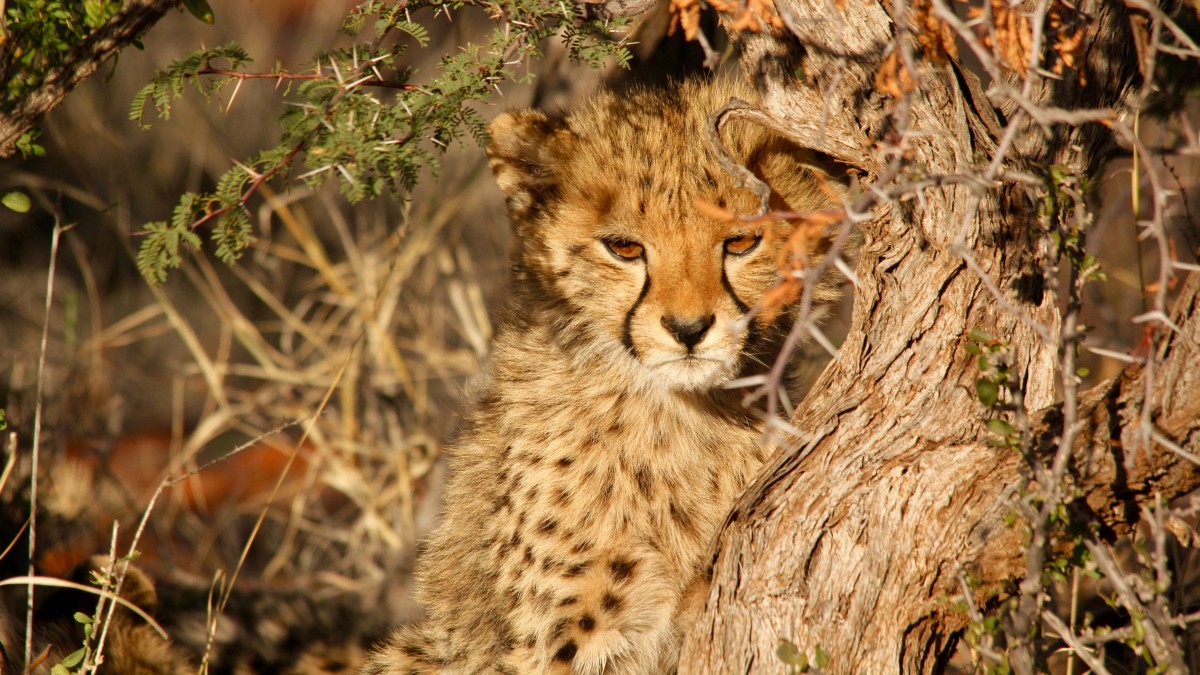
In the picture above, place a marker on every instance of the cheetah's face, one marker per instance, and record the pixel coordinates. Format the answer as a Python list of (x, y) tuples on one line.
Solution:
[(614, 248), (668, 293)]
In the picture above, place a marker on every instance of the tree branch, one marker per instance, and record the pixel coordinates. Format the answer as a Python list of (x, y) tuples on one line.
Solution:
[(128, 25)]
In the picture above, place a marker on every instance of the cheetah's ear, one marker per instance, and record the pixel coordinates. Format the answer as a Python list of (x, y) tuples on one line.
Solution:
[(524, 154)]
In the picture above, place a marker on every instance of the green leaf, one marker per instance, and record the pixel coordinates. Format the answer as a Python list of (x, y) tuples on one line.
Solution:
[(160, 250), (987, 390), (820, 656), (790, 654), (368, 141), (74, 658), (59, 669), (1001, 427), (416, 30), (80, 617), (17, 201), (980, 335), (200, 10)]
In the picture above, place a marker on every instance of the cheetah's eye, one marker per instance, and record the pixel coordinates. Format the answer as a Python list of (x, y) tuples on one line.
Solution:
[(743, 244), (624, 249)]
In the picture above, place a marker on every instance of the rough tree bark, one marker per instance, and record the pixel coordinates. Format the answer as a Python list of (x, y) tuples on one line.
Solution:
[(858, 540)]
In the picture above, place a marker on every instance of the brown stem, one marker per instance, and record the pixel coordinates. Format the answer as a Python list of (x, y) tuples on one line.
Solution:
[(293, 76)]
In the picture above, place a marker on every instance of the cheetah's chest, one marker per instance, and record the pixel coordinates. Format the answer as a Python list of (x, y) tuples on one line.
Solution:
[(655, 486)]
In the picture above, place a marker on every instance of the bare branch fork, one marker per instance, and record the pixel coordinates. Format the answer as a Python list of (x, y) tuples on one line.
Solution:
[(861, 540)]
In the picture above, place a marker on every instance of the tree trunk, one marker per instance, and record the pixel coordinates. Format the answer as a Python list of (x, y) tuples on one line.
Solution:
[(861, 539)]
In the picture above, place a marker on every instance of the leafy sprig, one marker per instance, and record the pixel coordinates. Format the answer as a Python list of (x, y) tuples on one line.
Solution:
[(168, 84), (355, 114)]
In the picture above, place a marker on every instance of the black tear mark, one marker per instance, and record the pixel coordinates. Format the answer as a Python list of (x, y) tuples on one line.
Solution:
[(742, 307), (627, 333)]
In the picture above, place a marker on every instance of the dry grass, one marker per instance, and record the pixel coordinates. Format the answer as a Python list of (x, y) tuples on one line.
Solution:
[(281, 420)]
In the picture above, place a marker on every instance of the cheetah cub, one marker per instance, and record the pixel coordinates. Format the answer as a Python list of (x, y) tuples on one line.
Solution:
[(603, 452)]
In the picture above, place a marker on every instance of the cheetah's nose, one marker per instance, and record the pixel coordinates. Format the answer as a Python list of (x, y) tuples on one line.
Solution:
[(688, 332)]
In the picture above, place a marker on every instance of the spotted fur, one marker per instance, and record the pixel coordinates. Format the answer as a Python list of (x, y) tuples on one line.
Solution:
[(603, 453)]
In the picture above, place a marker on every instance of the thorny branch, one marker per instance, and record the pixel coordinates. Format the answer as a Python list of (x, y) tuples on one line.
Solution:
[(359, 77), (1049, 484), (284, 77), (259, 179)]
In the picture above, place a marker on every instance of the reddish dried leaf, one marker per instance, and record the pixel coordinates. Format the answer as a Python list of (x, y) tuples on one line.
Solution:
[(893, 77), (711, 210), (685, 13), (933, 34)]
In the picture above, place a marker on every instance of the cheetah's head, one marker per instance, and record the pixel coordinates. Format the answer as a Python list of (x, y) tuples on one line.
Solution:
[(617, 250)]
